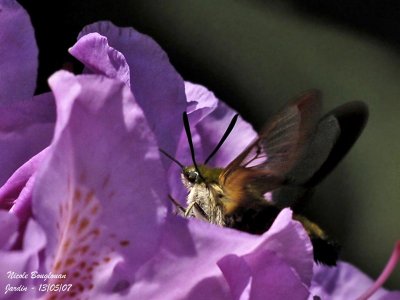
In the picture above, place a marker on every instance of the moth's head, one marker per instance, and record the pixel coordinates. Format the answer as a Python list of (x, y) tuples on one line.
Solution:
[(194, 175), (191, 176)]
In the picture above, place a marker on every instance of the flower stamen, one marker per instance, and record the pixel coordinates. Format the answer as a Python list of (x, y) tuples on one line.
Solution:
[(387, 271)]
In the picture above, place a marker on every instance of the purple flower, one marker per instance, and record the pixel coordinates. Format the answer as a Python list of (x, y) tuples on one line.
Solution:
[(86, 199)]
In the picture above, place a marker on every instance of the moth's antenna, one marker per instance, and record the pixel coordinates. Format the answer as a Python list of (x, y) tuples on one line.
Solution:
[(171, 157), (226, 134), (189, 137)]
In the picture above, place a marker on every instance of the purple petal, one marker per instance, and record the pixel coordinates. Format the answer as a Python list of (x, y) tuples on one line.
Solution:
[(16, 193), (18, 53), (26, 128), (8, 232), (186, 260), (344, 282), (395, 295), (275, 278), (20, 261), (157, 87), (100, 193), (291, 242), (209, 118), (99, 58), (22, 206), (192, 250), (238, 275), (201, 102), (266, 274)]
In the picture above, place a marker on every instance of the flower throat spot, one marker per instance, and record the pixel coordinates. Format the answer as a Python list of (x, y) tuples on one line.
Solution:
[(82, 247)]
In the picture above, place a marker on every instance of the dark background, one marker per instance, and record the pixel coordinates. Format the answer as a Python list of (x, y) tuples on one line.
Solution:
[(257, 54)]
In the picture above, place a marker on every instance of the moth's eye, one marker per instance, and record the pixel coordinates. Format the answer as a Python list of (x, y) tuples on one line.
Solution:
[(192, 176)]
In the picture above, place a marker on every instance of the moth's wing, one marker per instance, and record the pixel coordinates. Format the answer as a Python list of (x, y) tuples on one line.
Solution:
[(351, 118), (283, 138), (335, 134), (264, 164), (297, 190)]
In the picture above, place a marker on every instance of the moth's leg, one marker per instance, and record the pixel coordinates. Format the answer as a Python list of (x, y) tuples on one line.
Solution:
[(189, 209), (199, 212), (180, 210)]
